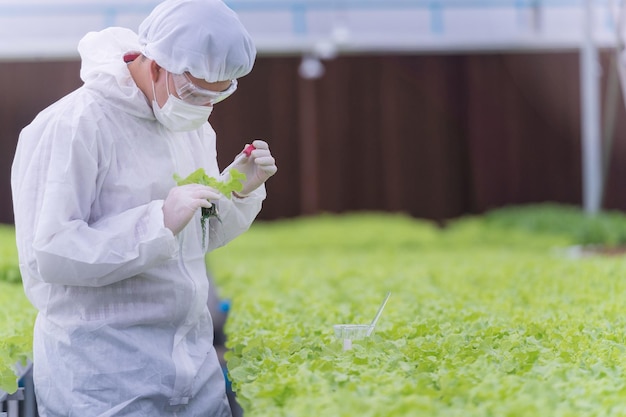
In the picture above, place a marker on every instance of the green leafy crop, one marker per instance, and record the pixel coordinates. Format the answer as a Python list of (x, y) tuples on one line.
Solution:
[(234, 183), (482, 321), (17, 317), (489, 316)]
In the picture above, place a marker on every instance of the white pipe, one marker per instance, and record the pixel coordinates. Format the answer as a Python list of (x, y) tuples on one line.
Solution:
[(590, 107)]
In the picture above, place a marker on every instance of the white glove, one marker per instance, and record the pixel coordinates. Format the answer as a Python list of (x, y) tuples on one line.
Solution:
[(183, 201), (257, 167)]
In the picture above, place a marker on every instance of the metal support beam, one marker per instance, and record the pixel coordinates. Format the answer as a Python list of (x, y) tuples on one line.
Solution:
[(590, 109)]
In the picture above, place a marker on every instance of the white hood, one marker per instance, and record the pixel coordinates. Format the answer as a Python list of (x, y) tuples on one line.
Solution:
[(103, 69)]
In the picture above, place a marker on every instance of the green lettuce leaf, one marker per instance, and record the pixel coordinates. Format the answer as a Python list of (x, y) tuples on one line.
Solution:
[(234, 183)]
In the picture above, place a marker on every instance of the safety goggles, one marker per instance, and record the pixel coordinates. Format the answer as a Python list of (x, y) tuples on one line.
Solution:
[(192, 94)]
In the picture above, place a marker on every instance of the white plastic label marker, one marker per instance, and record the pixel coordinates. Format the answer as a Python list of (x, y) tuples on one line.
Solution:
[(347, 344), (380, 311)]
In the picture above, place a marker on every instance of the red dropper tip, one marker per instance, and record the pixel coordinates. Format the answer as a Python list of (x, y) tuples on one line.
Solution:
[(248, 149)]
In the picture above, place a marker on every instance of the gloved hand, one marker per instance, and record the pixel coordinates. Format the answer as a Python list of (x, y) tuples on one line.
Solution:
[(258, 167), (183, 201)]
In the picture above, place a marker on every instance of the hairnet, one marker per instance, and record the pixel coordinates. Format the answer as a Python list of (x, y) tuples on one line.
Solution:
[(203, 37)]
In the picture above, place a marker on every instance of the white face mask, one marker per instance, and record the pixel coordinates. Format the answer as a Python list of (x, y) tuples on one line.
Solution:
[(177, 115)]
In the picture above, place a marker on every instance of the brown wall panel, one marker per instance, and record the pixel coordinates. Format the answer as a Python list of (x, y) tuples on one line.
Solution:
[(27, 87), (436, 136), (524, 131)]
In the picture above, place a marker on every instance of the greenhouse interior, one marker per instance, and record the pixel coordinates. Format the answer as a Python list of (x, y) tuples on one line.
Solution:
[(445, 234)]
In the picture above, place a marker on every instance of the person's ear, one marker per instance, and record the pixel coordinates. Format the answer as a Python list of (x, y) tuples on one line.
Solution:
[(155, 71)]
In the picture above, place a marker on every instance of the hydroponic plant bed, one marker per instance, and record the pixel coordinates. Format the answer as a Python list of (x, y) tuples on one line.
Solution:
[(16, 313), (489, 316), (486, 318)]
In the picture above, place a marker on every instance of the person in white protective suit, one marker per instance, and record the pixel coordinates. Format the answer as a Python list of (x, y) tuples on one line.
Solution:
[(111, 249)]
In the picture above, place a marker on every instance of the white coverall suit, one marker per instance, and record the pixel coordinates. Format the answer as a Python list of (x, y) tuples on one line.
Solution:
[(123, 327)]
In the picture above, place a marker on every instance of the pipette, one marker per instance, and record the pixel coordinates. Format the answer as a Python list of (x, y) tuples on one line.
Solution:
[(245, 154)]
